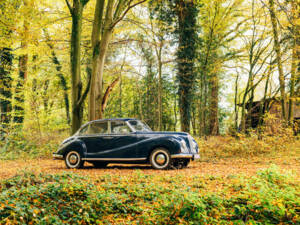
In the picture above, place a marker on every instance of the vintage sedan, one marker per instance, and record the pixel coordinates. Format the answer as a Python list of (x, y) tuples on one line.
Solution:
[(101, 142)]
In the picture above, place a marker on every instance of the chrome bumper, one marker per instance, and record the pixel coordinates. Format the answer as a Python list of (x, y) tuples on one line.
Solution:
[(185, 156), (56, 156)]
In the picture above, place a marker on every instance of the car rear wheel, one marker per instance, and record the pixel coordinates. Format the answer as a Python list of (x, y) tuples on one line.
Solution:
[(160, 159), (100, 164), (180, 163), (73, 160), (186, 163)]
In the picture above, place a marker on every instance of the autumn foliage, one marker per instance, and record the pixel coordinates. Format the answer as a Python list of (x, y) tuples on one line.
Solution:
[(268, 197)]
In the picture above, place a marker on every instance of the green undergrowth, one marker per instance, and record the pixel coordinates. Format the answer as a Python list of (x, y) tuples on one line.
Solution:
[(21, 145), (269, 197)]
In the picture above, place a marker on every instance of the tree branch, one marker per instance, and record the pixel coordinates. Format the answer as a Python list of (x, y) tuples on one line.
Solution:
[(107, 93), (69, 6), (125, 12), (86, 91)]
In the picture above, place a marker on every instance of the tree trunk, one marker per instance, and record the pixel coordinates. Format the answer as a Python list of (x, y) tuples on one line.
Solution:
[(5, 86), (294, 71), (213, 118), (292, 86), (23, 72), (99, 53), (278, 57), (75, 66), (186, 53), (159, 88), (236, 111), (96, 33)]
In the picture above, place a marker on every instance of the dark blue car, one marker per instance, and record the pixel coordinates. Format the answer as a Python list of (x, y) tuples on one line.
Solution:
[(101, 142)]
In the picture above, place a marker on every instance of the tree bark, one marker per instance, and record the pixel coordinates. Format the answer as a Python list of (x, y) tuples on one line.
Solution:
[(213, 117), (99, 52), (75, 56), (96, 34), (294, 71), (23, 73), (278, 57), (186, 53), (159, 87), (236, 111), (75, 65)]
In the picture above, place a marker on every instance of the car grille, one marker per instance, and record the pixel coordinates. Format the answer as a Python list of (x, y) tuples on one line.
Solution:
[(192, 145)]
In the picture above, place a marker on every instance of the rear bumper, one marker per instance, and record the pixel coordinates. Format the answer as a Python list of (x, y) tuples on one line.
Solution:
[(185, 156), (57, 156)]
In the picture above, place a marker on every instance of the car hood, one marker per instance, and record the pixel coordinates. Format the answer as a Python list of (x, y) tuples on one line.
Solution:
[(68, 140), (162, 133)]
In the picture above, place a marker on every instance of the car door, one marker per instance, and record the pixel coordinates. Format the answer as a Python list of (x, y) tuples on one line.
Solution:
[(122, 142), (96, 138)]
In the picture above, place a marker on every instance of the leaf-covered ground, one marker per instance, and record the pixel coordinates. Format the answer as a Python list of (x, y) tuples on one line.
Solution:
[(268, 197), (218, 189), (221, 168)]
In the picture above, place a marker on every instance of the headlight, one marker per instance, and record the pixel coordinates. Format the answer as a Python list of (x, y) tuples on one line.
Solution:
[(184, 147), (193, 144)]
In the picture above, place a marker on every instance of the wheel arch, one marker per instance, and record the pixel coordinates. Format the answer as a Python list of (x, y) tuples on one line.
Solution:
[(76, 145), (156, 147)]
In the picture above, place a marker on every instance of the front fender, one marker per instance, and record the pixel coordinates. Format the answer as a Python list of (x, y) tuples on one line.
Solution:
[(146, 146), (76, 144)]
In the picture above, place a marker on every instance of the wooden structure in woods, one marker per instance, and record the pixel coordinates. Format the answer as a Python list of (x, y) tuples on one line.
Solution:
[(256, 111)]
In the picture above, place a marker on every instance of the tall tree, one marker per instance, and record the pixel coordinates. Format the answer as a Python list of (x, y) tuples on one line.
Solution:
[(277, 49), (78, 95), (219, 21), (103, 27), (186, 54)]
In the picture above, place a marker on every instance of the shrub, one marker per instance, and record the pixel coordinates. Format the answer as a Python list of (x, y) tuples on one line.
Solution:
[(270, 197)]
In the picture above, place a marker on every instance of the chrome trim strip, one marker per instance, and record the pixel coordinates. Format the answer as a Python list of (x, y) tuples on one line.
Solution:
[(114, 159), (57, 156), (181, 156)]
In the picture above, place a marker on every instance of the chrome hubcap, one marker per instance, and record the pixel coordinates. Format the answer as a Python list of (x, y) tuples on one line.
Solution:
[(160, 159), (73, 159)]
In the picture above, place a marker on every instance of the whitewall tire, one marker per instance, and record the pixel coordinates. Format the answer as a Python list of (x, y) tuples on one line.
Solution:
[(160, 159), (73, 160)]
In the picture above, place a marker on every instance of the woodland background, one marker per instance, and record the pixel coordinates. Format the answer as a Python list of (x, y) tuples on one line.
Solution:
[(184, 65), (178, 65)]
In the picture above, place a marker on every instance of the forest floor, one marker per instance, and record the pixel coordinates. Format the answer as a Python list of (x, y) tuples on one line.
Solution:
[(215, 168)]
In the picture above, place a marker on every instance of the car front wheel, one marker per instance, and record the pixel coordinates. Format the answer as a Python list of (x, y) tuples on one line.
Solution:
[(73, 160), (160, 159)]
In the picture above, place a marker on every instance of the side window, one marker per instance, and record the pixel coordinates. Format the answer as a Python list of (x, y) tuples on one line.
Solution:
[(119, 127), (97, 128), (83, 131)]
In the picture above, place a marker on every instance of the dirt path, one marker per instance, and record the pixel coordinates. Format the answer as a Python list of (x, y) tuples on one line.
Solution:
[(220, 168)]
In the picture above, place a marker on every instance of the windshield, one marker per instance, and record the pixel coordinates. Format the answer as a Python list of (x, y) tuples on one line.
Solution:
[(139, 125)]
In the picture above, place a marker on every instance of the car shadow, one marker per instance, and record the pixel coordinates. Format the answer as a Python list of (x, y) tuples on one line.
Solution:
[(120, 167)]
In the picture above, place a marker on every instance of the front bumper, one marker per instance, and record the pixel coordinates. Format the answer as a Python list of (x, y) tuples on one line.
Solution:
[(185, 156), (57, 156)]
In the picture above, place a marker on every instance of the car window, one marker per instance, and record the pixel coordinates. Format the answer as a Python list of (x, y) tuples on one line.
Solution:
[(83, 130), (95, 128), (139, 125), (119, 127)]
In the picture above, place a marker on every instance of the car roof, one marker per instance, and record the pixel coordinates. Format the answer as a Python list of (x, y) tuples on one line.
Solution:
[(111, 119)]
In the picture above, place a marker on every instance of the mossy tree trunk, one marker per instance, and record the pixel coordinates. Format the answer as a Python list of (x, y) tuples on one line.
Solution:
[(186, 54)]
